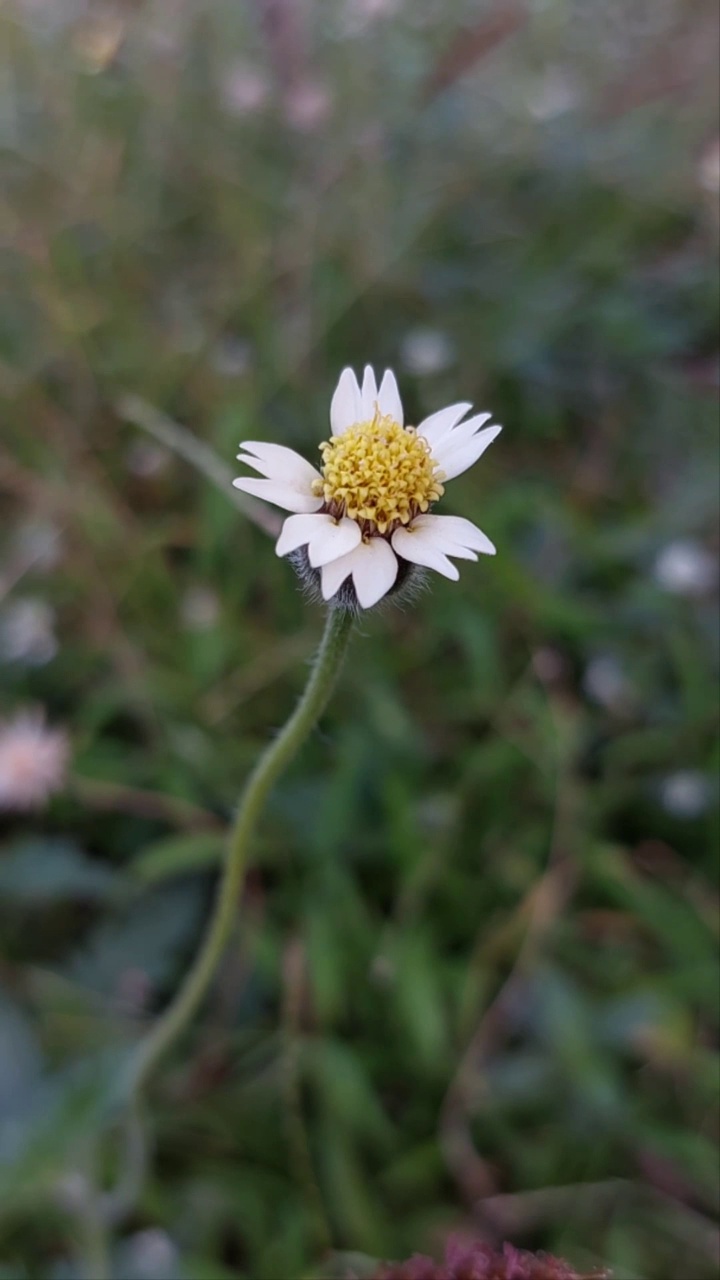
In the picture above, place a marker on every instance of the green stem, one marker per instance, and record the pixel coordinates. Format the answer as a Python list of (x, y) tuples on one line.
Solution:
[(92, 1235), (268, 769), (94, 1244)]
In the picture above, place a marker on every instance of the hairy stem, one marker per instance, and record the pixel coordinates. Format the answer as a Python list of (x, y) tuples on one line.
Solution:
[(268, 769)]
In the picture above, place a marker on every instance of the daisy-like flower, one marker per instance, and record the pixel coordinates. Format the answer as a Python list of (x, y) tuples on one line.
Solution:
[(365, 515), (33, 761)]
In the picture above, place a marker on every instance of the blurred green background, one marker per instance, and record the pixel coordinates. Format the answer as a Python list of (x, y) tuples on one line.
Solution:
[(474, 981)]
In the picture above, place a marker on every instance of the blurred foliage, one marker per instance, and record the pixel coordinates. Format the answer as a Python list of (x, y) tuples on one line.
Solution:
[(474, 982)]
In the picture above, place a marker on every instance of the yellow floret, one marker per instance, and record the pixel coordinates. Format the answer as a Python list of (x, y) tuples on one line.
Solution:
[(379, 472)]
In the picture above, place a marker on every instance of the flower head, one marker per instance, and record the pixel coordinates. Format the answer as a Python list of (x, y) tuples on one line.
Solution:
[(365, 514), (33, 761)]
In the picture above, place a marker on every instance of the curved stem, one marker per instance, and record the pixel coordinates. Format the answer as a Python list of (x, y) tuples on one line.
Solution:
[(84, 1202), (118, 1203), (271, 764), (94, 1243)]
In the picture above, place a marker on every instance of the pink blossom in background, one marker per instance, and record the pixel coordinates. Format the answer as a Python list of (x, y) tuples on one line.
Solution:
[(479, 1261), (33, 761), (307, 105)]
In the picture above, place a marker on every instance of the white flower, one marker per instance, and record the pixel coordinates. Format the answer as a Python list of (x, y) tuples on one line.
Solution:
[(368, 507), (152, 1254), (244, 89), (27, 634), (686, 568), (685, 794), (605, 682), (33, 761), (425, 352)]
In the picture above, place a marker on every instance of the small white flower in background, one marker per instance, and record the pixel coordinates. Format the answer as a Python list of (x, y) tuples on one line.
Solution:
[(686, 568), (605, 683), (426, 351), (151, 1254), (685, 794), (554, 95), (365, 514), (27, 632), (33, 761), (243, 89)]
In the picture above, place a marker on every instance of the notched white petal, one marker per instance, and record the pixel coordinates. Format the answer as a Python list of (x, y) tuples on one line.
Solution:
[(369, 393), (297, 531), (277, 462), (374, 571), (325, 538), (346, 404), (373, 566), (280, 495), (453, 534), (333, 575), (461, 434), (441, 423), (414, 547), (273, 470), (389, 397), (454, 462), (332, 540)]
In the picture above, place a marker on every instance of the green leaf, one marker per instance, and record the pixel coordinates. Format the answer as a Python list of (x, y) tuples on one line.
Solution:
[(179, 855), (419, 997), (20, 1060), (47, 1138), (39, 873), (344, 1089), (149, 938)]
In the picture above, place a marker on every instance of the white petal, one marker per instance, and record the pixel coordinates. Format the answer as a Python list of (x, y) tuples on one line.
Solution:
[(334, 574), (346, 404), (460, 434), (281, 495), (374, 571), (415, 547), (442, 422), (280, 473), (332, 540), (447, 548), (278, 463), (389, 397), (373, 567), (369, 394), (454, 462), (450, 533), (297, 532)]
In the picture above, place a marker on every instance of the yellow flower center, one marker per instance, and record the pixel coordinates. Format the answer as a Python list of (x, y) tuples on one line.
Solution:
[(378, 472)]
